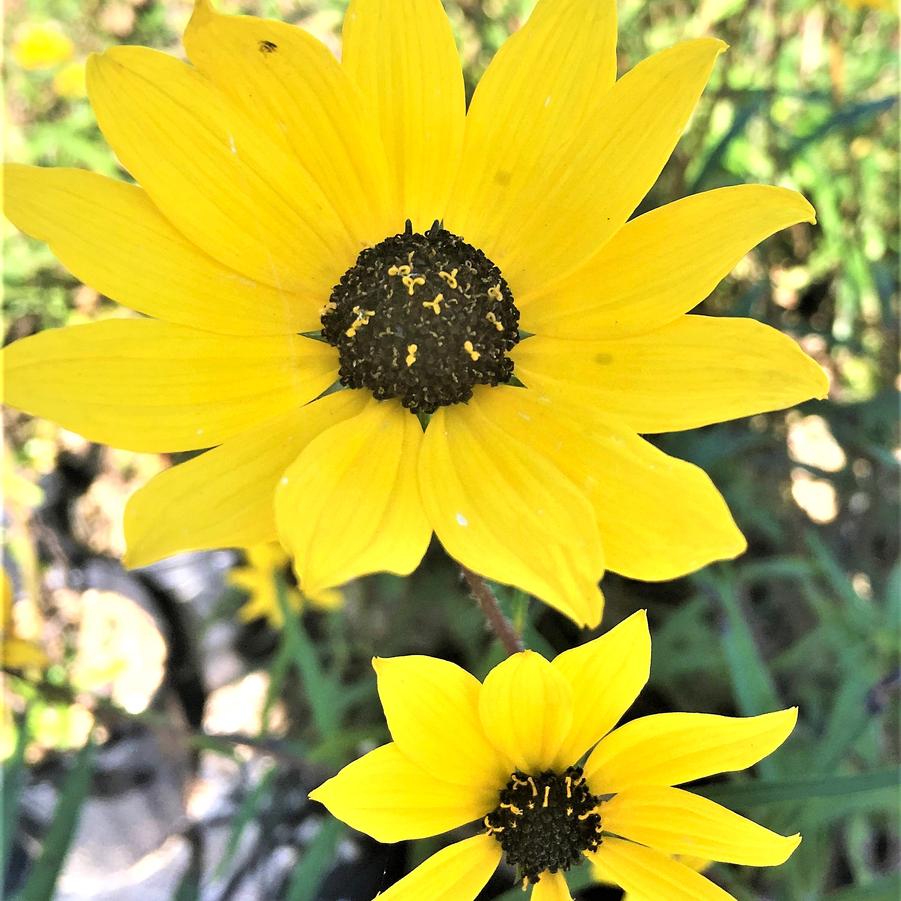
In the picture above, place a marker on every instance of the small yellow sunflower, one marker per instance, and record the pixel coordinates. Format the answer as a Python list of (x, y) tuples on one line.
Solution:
[(41, 45), (257, 577), (507, 753), (499, 331)]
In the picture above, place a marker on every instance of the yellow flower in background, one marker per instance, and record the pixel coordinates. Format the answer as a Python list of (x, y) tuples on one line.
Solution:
[(507, 753), (265, 563), (70, 82), (500, 331), (16, 652), (41, 45)]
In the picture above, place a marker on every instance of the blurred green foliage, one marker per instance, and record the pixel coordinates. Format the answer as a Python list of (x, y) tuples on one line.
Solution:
[(806, 97)]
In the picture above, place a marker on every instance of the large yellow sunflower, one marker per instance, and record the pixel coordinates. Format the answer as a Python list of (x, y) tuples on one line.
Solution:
[(500, 332), (510, 754)]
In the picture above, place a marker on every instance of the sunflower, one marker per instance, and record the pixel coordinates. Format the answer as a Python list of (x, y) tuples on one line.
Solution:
[(257, 577), (384, 316), (508, 754)]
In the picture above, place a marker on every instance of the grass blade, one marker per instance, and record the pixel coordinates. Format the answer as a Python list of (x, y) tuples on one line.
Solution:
[(320, 690), (13, 781), (755, 794), (45, 872), (315, 862)]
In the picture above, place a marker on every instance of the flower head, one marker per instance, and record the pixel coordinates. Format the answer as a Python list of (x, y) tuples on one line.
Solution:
[(390, 316), (265, 564), (41, 45), (510, 754)]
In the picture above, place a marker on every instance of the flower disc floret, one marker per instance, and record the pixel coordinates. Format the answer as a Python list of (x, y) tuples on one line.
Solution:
[(423, 318), (546, 822)]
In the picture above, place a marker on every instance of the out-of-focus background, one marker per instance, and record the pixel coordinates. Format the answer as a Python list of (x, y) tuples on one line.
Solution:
[(160, 736)]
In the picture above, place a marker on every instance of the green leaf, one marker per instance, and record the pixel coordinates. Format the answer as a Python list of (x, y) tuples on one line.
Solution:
[(13, 781), (315, 863), (45, 872), (245, 813), (755, 794), (321, 692), (886, 889)]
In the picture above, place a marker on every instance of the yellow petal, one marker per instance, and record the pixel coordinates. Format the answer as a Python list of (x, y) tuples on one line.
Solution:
[(110, 236), (537, 95), (6, 601), (326, 598), (692, 372), (605, 676), (226, 497), (551, 887), (402, 56), (505, 510), (670, 748), (662, 264), (658, 517), (226, 185), (18, 653), (544, 221), (677, 822), (456, 873), (349, 505), (290, 85), (526, 708), (388, 797), (645, 873), (151, 386), (432, 709)]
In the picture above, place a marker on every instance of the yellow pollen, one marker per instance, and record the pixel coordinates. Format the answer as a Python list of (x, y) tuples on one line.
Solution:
[(399, 270), (495, 293), (569, 787), (449, 277), (411, 282), (513, 809), (547, 792), (473, 353), (434, 305), (531, 782), (411, 354), (585, 816), (494, 321), (328, 307), (569, 811), (518, 782)]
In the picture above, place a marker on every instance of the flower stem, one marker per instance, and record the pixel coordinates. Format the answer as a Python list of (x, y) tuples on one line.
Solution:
[(499, 624)]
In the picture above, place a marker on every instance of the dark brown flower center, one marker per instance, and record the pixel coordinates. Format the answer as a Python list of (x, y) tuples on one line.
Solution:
[(546, 822), (423, 318)]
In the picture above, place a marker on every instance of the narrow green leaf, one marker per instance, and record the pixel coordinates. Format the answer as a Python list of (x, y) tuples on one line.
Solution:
[(13, 782), (245, 813), (752, 683), (315, 863), (888, 888), (45, 872), (321, 692), (755, 794)]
